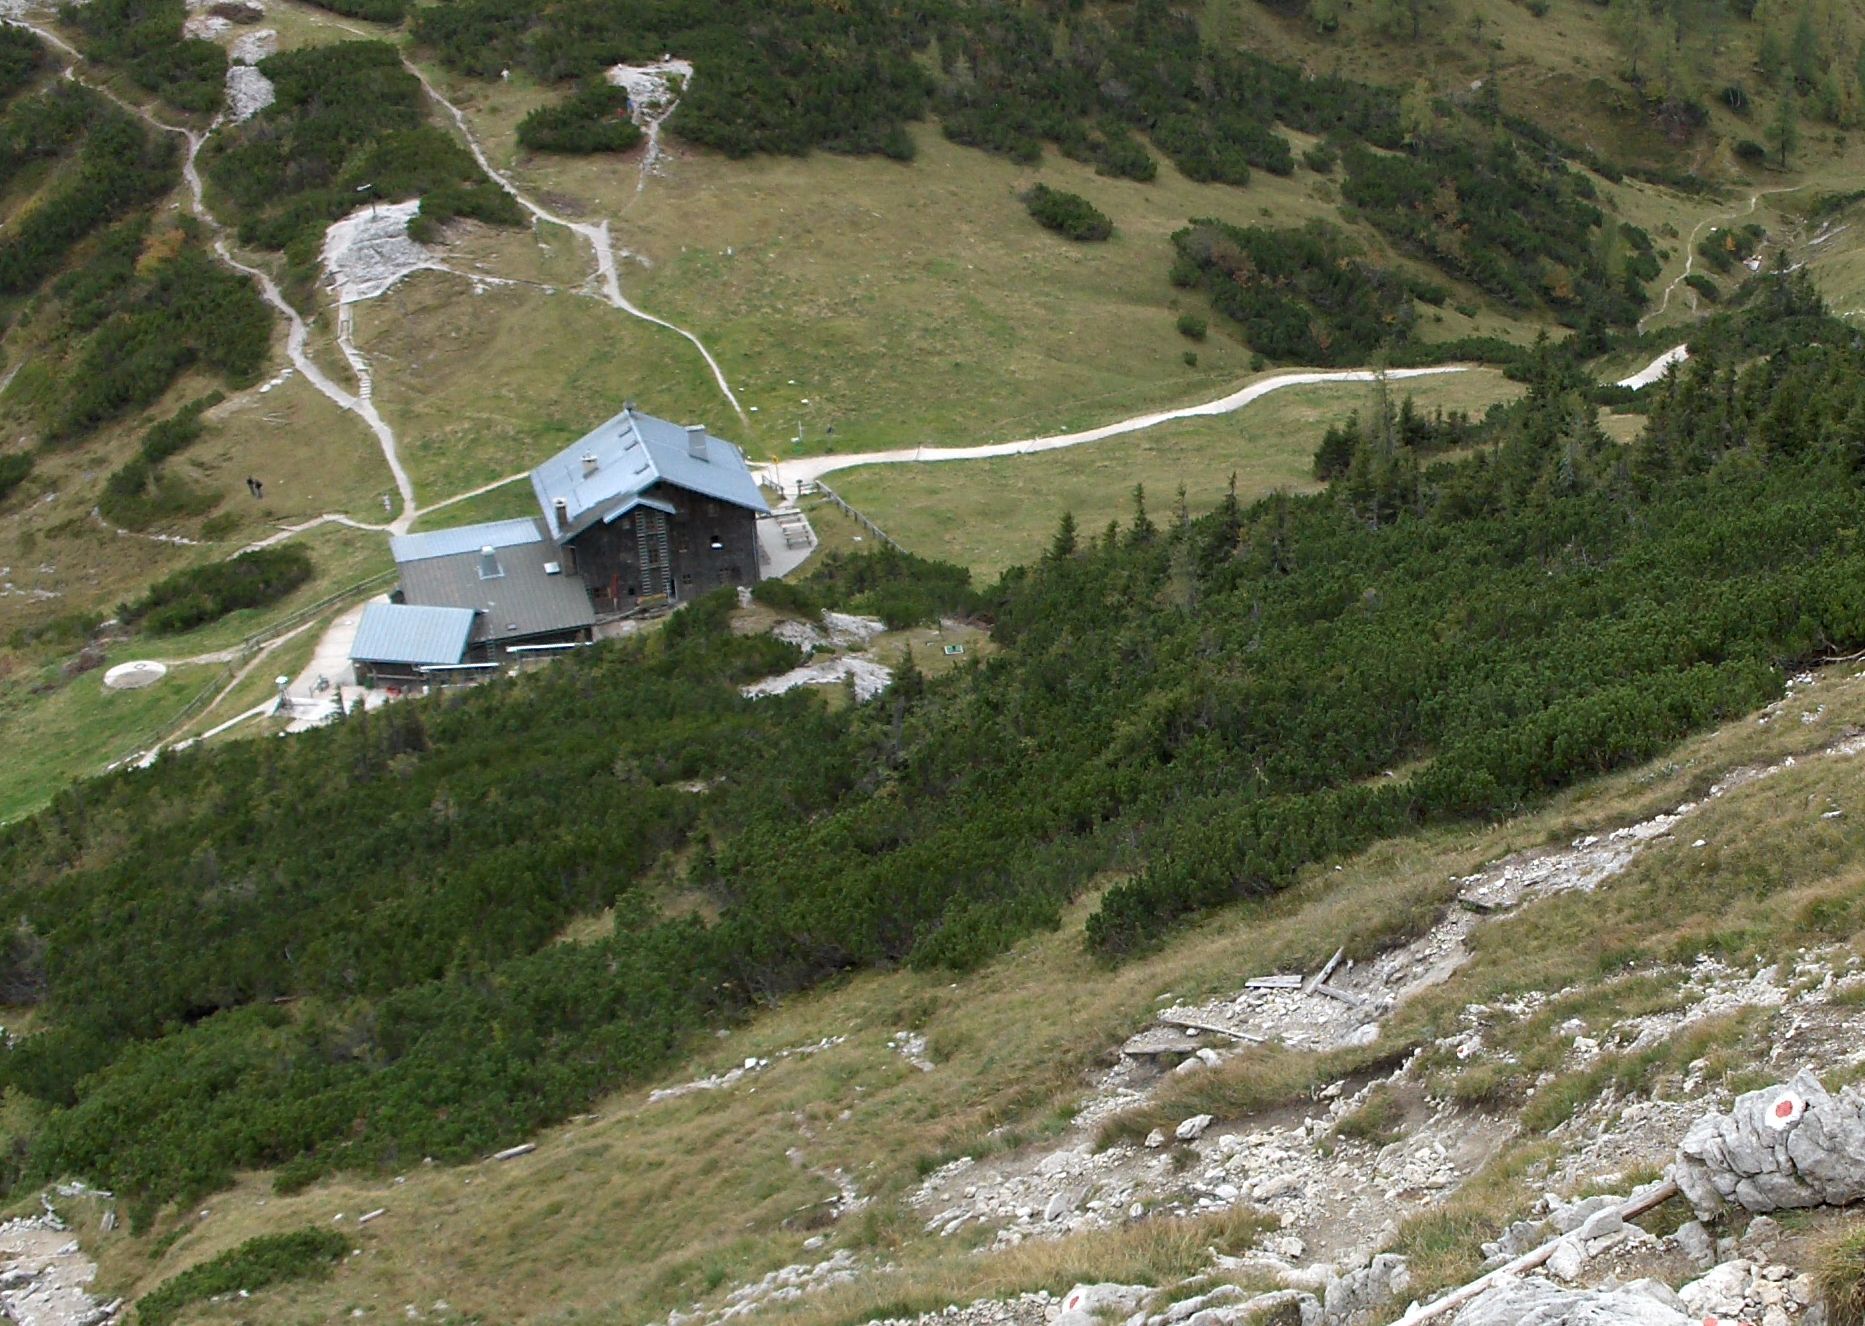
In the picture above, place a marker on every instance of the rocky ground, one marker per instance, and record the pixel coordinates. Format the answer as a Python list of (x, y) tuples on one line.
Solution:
[(825, 642), (47, 1277), (1339, 1201)]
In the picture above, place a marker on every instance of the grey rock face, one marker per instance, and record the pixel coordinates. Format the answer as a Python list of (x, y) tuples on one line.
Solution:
[(1781, 1147), (1542, 1303), (1693, 1240), (1358, 1294)]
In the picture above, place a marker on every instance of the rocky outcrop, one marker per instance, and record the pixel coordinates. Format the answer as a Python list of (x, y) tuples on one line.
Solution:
[(1356, 1296), (1779, 1148), (1543, 1303)]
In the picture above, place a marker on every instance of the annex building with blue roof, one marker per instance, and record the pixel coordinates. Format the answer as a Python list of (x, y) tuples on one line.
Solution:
[(637, 513)]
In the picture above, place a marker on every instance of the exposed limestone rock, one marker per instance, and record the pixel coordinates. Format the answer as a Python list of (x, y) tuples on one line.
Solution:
[(1357, 1295), (1694, 1241), (1781, 1147), (1542, 1303), (1090, 1305)]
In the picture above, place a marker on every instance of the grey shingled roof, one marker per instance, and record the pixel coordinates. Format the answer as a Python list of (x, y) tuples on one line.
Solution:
[(466, 538), (525, 600), (633, 452), (404, 633)]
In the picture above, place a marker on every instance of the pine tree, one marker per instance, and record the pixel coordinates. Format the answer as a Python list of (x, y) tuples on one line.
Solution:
[(1418, 115), (1803, 51), (1063, 545), (1143, 528), (1784, 133), (1629, 23)]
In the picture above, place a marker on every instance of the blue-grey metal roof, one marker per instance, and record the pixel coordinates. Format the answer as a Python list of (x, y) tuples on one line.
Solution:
[(529, 596), (632, 452), (466, 538), (405, 633)]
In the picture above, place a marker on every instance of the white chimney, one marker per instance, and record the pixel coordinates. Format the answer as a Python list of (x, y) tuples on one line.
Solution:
[(589, 463), (696, 441), (562, 508), (489, 568)]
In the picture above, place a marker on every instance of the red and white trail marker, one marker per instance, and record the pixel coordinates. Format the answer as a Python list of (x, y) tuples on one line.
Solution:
[(1786, 1111)]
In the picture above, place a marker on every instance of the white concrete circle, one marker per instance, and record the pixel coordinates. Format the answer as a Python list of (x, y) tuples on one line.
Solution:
[(129, 676)]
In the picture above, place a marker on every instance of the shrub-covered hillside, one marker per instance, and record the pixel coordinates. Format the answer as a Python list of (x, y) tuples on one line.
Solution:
[(337, 951), (348, 117), (115, 296), (1108, 85)]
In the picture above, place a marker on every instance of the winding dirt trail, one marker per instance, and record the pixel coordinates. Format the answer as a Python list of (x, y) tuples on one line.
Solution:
[(1690, 245), (808, 469), (359, 405), (596, 236)]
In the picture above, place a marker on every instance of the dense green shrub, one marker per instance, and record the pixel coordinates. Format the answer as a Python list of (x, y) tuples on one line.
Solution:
[(1749, 152), (1192, 325), (258, 1263), (787, 596), (1517, 226), (121, 166), (1305, 294), (144, 38), (133, 306), (14, 467), (136, 496), (898, 587), (203, 594), (1704, 286), (1723, 248), (186, 312), (391, 12), (595, 119), (22, 58), (1404, 429), (348, 117), (140, 493), (779, 76), (1110, 147), (1067, 214)]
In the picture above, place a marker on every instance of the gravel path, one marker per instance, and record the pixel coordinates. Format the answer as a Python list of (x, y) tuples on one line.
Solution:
[(596, 236), (361, 406), (808, 469)]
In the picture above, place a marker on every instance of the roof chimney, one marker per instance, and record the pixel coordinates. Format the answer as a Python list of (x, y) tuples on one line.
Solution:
[(562, 508), (489, 568), (589, 463), (696, 441)]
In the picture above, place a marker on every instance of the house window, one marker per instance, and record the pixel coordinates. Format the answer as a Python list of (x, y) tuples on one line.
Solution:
[(631, 592), (717, 543), (682, 543)]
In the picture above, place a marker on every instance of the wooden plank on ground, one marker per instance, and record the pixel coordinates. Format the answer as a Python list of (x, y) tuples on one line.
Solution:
[(1278, 982), (1345, 996), (1177, 1020), (1320, 978)]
